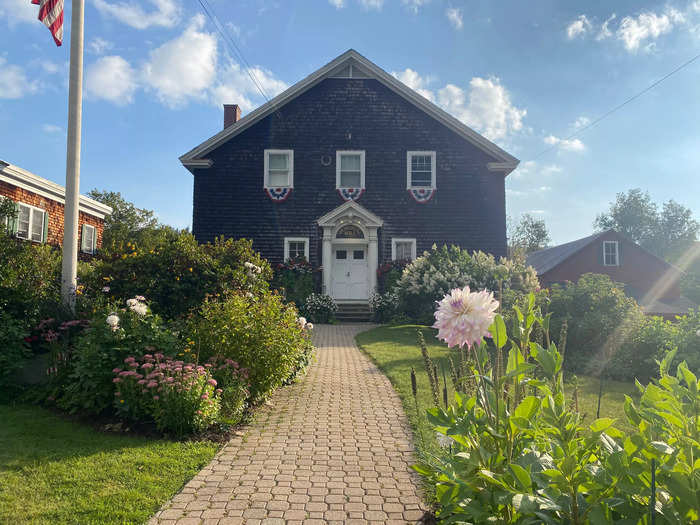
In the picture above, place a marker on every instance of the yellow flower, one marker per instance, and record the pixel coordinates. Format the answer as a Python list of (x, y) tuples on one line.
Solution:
[(121, 400), (180, 354), (177, 278), (187, 350), (190, 269)]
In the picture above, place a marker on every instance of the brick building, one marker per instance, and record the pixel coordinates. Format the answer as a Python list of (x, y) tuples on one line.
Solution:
[(39, 205), (349, 168), (653, 282)]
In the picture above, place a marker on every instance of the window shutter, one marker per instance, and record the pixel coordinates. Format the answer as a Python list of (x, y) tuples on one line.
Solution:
[(83, 247), (14, 221), (94, 241), (619, 253), (45, 234), (601, 254)]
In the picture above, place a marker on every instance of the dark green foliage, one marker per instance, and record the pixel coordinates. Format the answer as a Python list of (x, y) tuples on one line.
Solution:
[(320, 308), (384, 307), (295, 280), (529, 235), (13, 350), (177, 274), (435, 273), (600, 319), (84, 383), (260, 332), (389, 274)]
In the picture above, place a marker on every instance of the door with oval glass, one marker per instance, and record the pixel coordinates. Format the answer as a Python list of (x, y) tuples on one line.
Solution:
[(350, 272)]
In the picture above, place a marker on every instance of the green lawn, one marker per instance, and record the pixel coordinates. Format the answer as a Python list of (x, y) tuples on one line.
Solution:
[(57, 471), (395, 350)]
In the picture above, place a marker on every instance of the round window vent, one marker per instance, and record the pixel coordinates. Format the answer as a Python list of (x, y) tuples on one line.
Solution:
[(325, 160)]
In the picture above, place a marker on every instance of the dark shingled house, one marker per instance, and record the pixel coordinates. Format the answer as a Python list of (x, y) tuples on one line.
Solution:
[(653, 282), (349, 168)]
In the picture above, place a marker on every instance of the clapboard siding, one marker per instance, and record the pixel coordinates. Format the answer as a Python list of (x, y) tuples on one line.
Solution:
[(468, 208)]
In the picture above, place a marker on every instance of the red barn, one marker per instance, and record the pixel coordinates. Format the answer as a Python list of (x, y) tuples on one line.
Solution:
[(653, 282)]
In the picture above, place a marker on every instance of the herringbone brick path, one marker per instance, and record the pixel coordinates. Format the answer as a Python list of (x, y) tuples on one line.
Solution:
[(333, 448)]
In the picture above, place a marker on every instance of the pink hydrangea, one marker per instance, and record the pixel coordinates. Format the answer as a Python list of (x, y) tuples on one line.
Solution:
[(212, 382), (151, 384), (463, 317), (147, 366), (116, 380)]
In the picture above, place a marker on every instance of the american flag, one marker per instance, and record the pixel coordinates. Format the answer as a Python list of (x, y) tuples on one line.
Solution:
[(51, 14)]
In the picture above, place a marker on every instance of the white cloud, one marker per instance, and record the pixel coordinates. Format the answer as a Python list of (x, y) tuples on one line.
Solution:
[(184, 67), (14, 82), (633, 31), (111, 78), (338, 4), (14, 11), (413, 80), (166, 13), (565, 144), (52, 129), (99, 45), (414, 5), (531, 169), (234, 86), (604, 30), (486, 106), (578, 27), (454, 15), (372, 4), (581, 122)]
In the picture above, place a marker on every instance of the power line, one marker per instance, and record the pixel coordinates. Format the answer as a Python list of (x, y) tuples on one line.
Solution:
[(619, 106), (230, 42)]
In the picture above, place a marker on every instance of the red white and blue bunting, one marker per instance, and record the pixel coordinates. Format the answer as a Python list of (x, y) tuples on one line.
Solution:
[(278, 194), (350, 194), (422, 195)]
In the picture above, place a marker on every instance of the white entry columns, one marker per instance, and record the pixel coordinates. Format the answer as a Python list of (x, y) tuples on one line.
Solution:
[(345, 214)]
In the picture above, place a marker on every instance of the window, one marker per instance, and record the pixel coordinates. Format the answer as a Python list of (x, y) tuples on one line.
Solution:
[(403, 249), (358, 255), (31, 223), (610, 253), (350, 169), (420, 169), (350, 231), (88, 239), (341, 254), (296, 247), (279, 168)]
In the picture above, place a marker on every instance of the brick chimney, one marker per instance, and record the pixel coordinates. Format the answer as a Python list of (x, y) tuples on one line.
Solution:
[(232, 114)]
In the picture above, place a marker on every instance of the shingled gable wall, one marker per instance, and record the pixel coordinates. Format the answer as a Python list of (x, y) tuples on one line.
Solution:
[(468, 208)]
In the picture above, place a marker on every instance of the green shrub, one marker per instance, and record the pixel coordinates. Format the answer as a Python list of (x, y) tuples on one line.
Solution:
[(114, 334), (14, 350), (600, 317), (688, 340), (295, 280), (235, 388), (179, 273), (384, 306), (320, 308), (181, 398), (260, 332), (436, 272), (389, 274)]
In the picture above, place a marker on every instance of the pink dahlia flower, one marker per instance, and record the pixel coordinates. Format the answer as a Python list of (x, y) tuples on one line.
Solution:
[(464, 317)]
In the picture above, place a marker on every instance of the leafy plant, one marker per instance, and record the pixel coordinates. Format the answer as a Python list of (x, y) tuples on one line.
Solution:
[(320, 308), (384, 306), (295, 279)]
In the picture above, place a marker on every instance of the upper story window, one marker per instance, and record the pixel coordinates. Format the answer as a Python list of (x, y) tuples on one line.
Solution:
[(420, 169), (403, 249), (350, 169), (350, 231), (279, 168), (88, 239), (611, 253), (296, 247), (31, 223)]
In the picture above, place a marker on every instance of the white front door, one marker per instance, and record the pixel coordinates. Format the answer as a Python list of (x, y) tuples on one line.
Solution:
[(350, 272)]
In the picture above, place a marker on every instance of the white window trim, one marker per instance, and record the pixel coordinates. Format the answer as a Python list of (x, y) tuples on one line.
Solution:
[(410, 154), (337, 167), (399, 239), (287, 240), (266, 178), (91, 250), (617, 253), (31, 220)]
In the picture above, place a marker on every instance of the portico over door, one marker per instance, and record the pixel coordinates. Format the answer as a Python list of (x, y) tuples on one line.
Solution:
[(350, 252)]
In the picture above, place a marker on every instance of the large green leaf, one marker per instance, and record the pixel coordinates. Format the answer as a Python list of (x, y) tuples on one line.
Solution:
[(521, 475), (498, 331), (527, 408)]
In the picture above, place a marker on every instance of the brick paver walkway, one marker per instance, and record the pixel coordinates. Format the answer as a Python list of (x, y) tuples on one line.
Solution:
[(333, 448)]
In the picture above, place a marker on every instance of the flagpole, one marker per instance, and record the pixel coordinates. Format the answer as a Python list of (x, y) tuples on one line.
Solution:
[(69, 267)]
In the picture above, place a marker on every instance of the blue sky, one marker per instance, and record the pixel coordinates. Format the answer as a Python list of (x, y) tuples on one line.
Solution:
[(526, 74)]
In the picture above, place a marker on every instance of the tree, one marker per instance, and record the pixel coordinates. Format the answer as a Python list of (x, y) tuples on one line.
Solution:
[(529, 235), (666, 233), (127, 223)]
